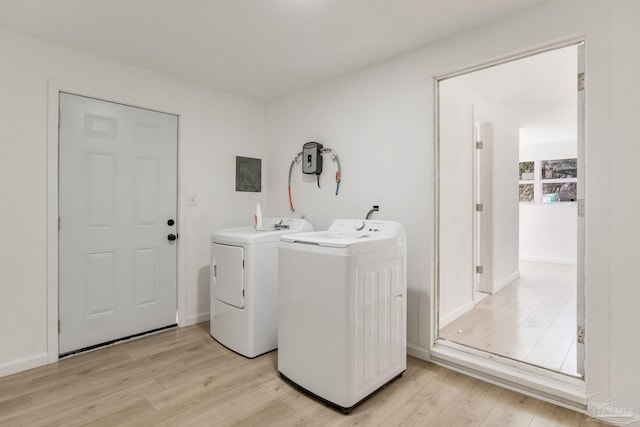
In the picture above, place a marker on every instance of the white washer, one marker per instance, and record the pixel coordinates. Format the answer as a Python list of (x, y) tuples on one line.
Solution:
[(342, 309), (244, 273)]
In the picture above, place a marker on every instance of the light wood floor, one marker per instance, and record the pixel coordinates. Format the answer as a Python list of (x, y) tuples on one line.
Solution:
[(182, 377), (532, 319)]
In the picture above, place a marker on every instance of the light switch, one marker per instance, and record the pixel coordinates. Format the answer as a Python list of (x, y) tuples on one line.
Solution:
[(192, 200)]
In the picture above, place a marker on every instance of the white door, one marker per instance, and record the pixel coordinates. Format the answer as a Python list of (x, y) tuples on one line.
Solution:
[(483, 245), (117, 208)]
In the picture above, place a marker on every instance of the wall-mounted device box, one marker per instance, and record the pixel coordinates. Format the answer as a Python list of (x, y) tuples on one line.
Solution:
[(312, 158)]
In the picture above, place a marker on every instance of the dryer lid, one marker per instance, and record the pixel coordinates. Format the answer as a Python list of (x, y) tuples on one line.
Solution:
[(274, 228)]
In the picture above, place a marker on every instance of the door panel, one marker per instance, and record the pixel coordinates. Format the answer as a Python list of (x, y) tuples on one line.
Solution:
[(100, 283), (117, 190), (146, 276), (483, 245), (146, 192), (228, 274), (99, 190)]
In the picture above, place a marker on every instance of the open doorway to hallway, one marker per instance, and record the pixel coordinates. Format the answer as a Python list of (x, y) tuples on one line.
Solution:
[(531, 319), (509, 231)]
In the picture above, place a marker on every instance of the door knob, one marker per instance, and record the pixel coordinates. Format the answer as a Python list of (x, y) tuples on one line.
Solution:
[(170, 222), (172, 237)]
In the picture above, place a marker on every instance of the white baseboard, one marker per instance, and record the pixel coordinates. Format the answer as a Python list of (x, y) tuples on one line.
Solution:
[(445, 320), (545, 259), (24, 364), (198, 318), (418, 352), (510, 278)]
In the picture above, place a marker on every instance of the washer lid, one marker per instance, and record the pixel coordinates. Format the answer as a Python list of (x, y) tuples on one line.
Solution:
[(336, 239), (351, 232)]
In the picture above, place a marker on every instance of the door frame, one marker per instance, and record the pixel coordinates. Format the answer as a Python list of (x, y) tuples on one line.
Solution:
[(557, 388), (54, 89)]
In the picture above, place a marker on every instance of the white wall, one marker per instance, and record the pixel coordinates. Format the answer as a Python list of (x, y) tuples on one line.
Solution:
[(623, 223), (548, 230), (547, 150), (456, 157), (460, 107), (380, 120), (214, 127), (380, 123)]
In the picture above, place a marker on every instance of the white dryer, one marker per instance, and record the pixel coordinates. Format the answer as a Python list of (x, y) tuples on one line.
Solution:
[(342, 309), (244, 290)]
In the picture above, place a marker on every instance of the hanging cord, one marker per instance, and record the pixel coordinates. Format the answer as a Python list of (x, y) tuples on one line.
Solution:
[(293, 162)]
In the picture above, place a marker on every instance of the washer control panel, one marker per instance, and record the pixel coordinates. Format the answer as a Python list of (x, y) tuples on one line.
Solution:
[(364, 226)]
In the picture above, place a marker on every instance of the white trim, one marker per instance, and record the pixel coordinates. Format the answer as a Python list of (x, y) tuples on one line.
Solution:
[(197, 318), (559, 389), (546, 385), (418, 352), (52, 224), (113, 95), (510, 278), (182, 226), (466, 307), (23, 364), (515, 56)]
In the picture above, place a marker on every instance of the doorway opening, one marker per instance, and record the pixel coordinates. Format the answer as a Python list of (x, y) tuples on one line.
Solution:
[(510, 227)]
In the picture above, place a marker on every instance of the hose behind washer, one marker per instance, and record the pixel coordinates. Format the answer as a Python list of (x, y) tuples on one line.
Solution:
[(293, 162)]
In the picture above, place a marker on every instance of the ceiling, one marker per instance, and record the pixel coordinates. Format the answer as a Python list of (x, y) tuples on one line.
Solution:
[(263, 49), (539, 92)]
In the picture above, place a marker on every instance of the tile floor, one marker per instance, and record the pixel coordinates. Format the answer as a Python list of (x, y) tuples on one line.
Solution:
[(532, 319)]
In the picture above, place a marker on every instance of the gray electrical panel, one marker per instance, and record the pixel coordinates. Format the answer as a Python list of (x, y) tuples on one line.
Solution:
[(312, 158)]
